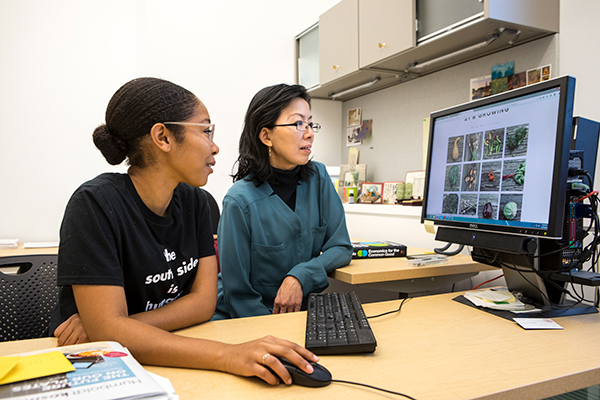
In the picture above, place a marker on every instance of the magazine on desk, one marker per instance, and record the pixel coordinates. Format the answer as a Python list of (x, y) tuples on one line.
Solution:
[(103, 370)]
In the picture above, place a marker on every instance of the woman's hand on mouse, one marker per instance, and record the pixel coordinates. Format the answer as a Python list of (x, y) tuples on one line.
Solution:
[(289, 296), (256, 357)]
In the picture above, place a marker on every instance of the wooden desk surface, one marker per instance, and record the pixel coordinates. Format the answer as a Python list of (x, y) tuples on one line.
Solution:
[(397, 268), (20, 251), (435, 348), (359, 271)]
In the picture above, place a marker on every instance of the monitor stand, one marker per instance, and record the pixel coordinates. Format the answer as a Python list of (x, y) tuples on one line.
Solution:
[(545, 293)]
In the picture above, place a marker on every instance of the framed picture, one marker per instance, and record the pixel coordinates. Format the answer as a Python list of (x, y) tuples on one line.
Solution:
[(414, 184), (354, 117), (351, 179), (361, 169), (390, 192), (370, 192)]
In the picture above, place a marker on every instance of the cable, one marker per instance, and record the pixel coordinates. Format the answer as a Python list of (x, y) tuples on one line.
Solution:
[(442, 250), (488, 281), (578, 301), (585, 197), (374, 387), (391, 312)]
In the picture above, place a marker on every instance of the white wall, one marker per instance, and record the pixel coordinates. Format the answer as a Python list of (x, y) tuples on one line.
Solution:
[(327, 147), (579, 42), (61, 61)]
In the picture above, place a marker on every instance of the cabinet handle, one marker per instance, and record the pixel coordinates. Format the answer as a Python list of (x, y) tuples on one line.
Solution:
[(336, 67), (382, 45)]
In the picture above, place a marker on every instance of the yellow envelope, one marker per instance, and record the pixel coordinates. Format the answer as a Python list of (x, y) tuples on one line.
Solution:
[(6, 364), (35, 366)]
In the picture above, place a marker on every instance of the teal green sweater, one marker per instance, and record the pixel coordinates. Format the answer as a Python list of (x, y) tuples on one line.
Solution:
[(261, 241)]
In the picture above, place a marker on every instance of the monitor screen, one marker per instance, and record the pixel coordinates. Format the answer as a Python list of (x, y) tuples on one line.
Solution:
[(500, 164)]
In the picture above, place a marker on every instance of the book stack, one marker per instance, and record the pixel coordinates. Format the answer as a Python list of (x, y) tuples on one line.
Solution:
[(377, 250)]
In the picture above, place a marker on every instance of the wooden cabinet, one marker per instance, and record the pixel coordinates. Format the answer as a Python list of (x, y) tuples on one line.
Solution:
[(372, 44), (338, 41), (308, 57), (436, 17), (386, 28)]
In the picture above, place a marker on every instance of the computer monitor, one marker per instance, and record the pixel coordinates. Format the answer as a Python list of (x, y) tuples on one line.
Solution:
[(500, 164), (496, 177)]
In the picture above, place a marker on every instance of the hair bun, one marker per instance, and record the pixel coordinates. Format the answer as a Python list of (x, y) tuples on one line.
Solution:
[(112, 148)]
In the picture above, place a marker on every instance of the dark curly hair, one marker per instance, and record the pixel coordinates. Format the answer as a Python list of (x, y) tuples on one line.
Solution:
[(131, 113), (263, 112)]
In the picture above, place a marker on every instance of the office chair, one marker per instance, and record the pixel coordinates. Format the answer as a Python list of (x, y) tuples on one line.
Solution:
[(28, 296), (215, 213)]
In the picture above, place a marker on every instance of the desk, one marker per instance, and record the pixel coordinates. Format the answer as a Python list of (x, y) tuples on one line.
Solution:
[(397, 275), (435, 348), (391, 274), (20, 251)]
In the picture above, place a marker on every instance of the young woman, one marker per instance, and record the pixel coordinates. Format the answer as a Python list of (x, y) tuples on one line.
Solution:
[(282, 227), (136, 256)]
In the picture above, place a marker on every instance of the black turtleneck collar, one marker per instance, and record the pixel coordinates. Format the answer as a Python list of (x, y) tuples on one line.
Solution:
[(284, 184)]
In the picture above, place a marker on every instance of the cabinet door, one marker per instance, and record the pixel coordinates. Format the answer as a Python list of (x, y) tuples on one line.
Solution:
[(435, 16), (338, 41), (387, 27)]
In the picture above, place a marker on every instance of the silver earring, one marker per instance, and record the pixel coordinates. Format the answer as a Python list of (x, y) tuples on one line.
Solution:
[(269, 152)]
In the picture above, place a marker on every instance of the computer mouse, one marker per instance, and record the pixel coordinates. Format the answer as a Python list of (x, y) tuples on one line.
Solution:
[(319, 378)]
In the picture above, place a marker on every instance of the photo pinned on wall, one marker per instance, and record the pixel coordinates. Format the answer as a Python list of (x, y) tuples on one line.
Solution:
[(534, 75), (500, 74), (481, 87), (353, 134), (517, 80), (503, 70), (366, 129), (499, 85), (354, 117), (545, 73)]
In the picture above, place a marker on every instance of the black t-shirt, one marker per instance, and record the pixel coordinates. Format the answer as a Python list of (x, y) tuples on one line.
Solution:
[(109, 237)]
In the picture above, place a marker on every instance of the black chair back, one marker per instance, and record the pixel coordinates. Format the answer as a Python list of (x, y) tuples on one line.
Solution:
[(28, 294), (215, 213)]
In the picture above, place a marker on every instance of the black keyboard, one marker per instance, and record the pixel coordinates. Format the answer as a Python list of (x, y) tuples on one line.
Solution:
[(336, 324)]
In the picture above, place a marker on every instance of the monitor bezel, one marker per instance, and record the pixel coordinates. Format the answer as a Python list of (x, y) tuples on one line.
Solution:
[(561, 159)]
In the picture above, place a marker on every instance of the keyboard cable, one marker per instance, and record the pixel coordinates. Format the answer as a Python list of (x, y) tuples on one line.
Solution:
[(375, 387), (390, 312)]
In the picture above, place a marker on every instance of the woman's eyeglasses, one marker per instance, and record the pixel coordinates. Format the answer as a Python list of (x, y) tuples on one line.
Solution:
[(210, 128), (302, 126)]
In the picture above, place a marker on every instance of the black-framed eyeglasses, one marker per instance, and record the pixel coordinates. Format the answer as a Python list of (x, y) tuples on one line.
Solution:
[(210, 128), (302, 126)]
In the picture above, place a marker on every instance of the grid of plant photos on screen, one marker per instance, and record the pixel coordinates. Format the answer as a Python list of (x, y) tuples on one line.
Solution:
[(485, 173)]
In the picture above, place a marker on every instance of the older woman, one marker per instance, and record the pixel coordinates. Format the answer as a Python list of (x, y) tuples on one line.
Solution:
[(282, 228)]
